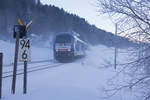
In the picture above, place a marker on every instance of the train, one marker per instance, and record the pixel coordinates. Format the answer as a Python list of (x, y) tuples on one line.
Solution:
[(68, 45)]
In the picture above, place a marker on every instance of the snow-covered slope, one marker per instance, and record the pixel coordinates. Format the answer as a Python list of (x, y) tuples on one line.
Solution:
[(83, 79)]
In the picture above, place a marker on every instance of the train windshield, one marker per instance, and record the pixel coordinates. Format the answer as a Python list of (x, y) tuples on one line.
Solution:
[(63, 39)]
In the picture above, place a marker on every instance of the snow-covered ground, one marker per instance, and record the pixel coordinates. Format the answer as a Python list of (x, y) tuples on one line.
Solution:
[(83, 79)]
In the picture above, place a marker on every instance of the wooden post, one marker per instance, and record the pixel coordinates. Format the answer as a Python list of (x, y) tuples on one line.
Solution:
[(15, 63), (1, 68), (25, 78)]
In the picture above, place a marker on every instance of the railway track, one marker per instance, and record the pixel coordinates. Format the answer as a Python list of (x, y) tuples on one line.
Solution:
[(32, 68), (32, 62)]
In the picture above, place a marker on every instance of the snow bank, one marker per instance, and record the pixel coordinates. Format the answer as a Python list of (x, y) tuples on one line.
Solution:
[(101, 56), (8, 51)]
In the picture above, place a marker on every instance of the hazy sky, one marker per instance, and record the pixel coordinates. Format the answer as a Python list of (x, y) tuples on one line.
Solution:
[(86, 9)]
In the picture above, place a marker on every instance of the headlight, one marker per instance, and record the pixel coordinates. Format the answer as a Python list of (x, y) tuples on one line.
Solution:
[(69, 49)]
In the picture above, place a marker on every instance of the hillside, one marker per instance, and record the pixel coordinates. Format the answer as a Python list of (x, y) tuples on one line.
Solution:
[(48, 20)]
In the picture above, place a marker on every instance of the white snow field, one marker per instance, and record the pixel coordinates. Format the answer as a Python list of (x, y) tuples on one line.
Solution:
[(83, 79)]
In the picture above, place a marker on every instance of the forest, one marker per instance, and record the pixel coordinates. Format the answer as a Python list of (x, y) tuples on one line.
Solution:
[(49, 20)]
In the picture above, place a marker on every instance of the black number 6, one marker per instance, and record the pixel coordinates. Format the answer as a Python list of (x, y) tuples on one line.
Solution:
[(24, 54)]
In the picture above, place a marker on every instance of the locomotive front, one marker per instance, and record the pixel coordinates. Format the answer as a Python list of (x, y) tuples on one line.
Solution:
[(63, 46)]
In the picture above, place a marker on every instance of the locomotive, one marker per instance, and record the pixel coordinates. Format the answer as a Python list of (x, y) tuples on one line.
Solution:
[(68, 45)]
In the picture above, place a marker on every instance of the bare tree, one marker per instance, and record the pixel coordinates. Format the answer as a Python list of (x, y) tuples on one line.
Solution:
[(129, 14), (133, 19)]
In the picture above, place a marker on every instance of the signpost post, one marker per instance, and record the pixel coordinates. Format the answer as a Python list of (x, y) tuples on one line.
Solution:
[(116, 50), (15, 62), (25, 78)]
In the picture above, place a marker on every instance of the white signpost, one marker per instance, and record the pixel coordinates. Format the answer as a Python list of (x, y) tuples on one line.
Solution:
[(24, 50)]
